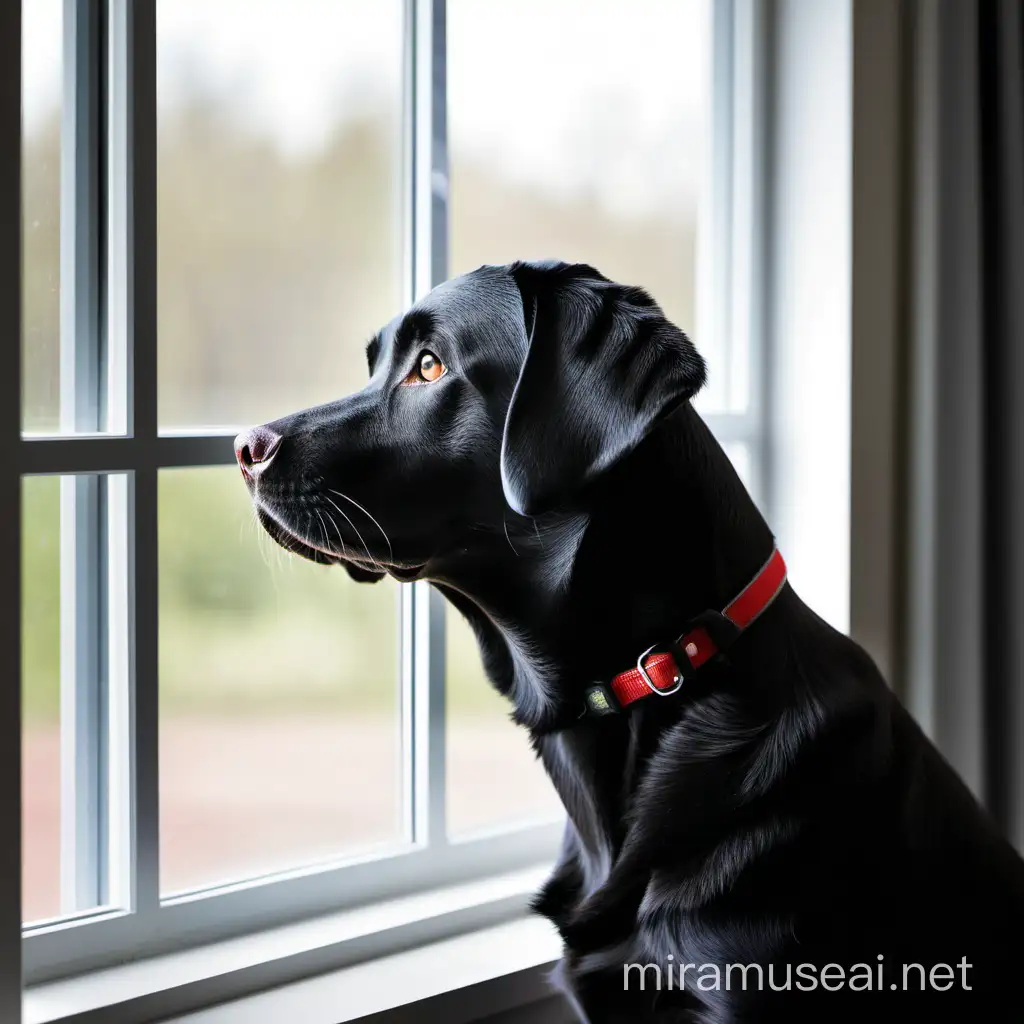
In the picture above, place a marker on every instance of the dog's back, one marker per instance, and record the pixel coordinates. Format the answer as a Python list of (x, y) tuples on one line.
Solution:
[(895, 895)]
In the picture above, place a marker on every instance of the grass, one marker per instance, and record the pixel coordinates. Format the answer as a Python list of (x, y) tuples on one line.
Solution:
[(244, 627)]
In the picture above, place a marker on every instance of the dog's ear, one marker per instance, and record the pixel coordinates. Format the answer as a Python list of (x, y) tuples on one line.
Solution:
[(602, 367)]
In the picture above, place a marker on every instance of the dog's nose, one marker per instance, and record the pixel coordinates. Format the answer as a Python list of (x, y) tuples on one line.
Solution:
[(255, 450)]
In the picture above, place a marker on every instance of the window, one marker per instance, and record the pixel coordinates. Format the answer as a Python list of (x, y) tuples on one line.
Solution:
[(601, 165), (279, 250), (221, 202)]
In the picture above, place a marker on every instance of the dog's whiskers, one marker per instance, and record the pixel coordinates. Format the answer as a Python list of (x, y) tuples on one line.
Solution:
[(285, 544), (262, 539), (387, 539), (333, 522), (376, 564), (323, 529), (261, 535)]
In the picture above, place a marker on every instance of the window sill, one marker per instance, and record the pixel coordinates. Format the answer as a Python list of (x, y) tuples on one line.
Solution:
[(469, 946), (459, 980)]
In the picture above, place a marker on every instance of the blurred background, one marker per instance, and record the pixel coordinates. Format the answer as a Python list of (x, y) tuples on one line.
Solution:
[(280, 234), (869, 254)]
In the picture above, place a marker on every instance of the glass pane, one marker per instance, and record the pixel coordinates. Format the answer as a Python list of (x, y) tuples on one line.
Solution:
[(609, 174), (586, 158), (739, 456), (40, 682), (279, 700), (494, 777), (279, 203), (41, 113)]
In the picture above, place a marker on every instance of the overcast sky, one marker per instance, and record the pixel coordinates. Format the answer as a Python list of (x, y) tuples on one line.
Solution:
[(546, 88)]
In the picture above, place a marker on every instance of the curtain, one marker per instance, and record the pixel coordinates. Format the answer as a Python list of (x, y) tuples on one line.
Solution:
[(964, 390)]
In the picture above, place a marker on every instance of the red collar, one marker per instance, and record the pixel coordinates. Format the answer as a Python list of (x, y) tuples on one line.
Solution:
[(663, 668)]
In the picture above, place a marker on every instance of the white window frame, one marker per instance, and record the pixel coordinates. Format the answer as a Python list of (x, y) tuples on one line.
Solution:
[(731, 236), (110, 712)]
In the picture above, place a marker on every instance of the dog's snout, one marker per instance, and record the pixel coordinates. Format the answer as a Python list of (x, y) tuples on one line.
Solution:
[(255, 450)]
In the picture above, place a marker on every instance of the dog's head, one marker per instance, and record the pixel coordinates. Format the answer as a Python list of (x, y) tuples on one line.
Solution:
[(510, 387)]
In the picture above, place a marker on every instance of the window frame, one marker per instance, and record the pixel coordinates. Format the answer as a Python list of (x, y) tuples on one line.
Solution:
[(10, 514), (124, 752)]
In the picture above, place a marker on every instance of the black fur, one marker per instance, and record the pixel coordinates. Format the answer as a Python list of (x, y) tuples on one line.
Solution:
[(784, 809)]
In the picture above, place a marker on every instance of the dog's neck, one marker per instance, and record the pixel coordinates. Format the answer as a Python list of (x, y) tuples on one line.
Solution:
[(560, 602), (671, 533)]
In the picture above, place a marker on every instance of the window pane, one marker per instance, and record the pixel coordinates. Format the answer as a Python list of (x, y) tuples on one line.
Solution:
[(596, 153), (41, 114), (40, 682), (279, 707), (739, 456), (494, 777), (67, 703), (279, 204), (586, 159)]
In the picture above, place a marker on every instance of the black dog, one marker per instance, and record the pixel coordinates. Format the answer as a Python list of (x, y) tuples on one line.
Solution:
[(776, 840)]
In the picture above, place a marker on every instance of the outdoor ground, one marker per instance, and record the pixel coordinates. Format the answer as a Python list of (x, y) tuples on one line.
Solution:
[(243, 796)]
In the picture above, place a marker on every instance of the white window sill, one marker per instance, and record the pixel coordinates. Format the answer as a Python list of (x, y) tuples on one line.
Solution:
[(463, 950), (457, 980)]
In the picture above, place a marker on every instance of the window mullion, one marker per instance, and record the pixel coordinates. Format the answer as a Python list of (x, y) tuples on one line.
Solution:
[(750, 127), (714, 209), (426, 631), (10, 512), (120, 454), (132, 296), (81, 341), (732, 234), (83, 737)]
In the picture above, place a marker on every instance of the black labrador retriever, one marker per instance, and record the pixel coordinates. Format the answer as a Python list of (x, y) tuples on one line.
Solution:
[(768, 835)]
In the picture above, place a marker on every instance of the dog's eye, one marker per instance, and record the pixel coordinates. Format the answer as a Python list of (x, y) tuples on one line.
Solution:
[(428, 369)]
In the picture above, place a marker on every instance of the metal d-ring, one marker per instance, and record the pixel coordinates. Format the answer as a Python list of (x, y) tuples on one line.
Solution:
[(677, 680)]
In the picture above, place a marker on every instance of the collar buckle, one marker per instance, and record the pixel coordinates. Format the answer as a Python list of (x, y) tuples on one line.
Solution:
[(680, 660), (719, 628)]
